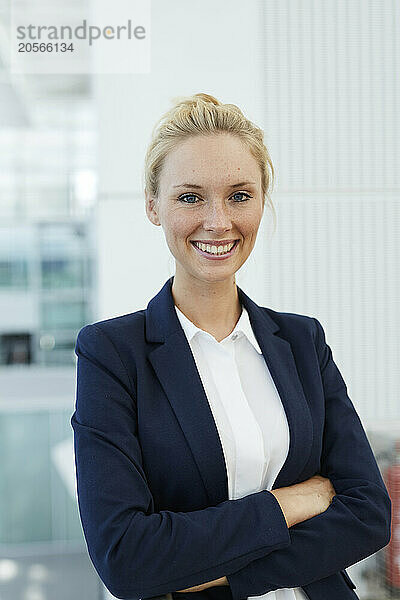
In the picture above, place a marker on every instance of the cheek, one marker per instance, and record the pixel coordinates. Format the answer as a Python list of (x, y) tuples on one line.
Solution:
[(251, 223), (178, 227)]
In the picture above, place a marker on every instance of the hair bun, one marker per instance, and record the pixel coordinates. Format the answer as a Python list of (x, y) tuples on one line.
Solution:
[(196, 99)]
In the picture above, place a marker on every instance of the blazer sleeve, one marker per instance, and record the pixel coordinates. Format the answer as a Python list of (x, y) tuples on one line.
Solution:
[(137, 552), (357, 522)]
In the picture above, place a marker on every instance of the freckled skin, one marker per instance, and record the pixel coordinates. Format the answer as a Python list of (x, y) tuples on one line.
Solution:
[(216, 215)]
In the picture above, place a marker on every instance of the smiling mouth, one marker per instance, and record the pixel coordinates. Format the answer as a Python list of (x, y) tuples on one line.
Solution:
[(217, 249)]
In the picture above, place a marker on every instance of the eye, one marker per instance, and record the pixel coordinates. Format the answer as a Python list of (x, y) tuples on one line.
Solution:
[(187, 198), (247, 196), (193, 198)]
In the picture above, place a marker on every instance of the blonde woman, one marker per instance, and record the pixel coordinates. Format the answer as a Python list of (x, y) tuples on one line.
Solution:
[(218, 454)]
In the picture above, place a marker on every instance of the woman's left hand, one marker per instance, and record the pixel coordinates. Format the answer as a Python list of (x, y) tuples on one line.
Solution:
[(204, 586)]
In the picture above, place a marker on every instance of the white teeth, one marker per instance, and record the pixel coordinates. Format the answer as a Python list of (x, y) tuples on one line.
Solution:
[(215, 249)]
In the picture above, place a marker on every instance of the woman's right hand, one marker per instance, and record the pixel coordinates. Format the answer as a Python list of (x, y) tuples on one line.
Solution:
[(304, 500)]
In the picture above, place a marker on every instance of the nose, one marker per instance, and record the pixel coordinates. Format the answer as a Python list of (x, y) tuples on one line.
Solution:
[(217, 217)]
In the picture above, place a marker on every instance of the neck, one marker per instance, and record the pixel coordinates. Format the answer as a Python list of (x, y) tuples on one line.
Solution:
[(211, 306)]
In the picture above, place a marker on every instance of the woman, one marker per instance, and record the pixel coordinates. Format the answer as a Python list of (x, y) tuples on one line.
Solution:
[(218, 454)]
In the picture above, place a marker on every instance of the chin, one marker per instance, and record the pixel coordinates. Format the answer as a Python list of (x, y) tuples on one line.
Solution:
[(216, 277)]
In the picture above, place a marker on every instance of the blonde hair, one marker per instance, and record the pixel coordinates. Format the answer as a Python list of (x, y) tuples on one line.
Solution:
[(202, 114)]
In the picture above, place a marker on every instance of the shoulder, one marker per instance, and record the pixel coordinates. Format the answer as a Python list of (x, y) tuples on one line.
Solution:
[(292, 325), (127, 327), (305, 334)]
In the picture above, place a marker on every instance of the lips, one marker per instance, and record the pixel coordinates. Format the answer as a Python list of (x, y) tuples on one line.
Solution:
[(210, 256)]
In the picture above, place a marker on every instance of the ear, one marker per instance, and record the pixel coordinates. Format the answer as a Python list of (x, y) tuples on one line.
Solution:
[(152, 209)]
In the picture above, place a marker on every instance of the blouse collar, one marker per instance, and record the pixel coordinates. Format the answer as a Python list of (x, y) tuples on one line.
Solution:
[(242, 327)]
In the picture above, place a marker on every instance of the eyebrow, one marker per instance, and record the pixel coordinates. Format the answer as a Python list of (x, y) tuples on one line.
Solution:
[(199, 187)]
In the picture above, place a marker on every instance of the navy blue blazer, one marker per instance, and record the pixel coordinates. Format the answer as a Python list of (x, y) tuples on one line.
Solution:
[(152, 481)]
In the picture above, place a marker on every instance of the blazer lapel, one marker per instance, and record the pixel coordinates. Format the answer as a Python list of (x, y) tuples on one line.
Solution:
[(279, 357), (177, 372)]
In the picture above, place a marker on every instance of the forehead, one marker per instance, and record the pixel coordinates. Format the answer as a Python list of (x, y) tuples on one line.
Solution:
[(218, 159)]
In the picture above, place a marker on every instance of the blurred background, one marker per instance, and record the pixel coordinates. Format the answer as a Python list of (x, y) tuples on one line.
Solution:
[(322, 80)]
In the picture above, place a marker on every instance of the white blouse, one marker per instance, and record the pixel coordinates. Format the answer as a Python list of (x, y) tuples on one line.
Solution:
[(247, 410)]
